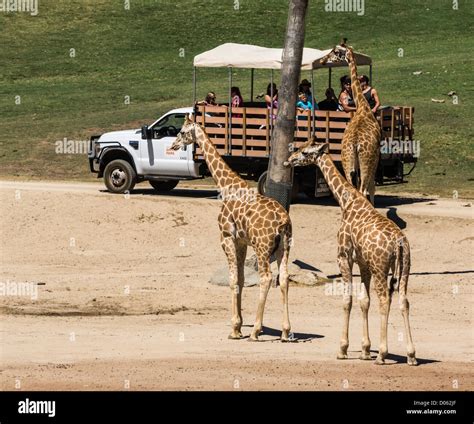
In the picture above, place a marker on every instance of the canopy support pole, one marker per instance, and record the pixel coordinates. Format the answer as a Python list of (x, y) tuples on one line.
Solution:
[(271, 101), (251, 85), (194, 85), (330, 78), (370, 74), (313, 113), (229, 135)]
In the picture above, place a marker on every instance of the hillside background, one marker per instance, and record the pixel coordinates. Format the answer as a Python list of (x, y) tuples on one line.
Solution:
[(136, 53)]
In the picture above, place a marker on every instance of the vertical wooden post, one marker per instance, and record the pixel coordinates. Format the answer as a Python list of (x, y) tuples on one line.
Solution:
[(227, 136), (267, 127), (308, 122), (327, 126), (244, 132), (392, 125)]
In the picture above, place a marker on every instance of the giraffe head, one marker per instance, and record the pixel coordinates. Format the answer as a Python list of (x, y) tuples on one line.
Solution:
[(340, 53), (187, 135), (307, 154)]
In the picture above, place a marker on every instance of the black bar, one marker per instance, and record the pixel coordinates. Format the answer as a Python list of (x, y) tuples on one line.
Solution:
[(314, 406)]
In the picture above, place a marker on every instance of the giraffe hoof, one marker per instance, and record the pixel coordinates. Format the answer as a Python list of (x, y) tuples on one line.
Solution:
[(379, 361), (411, 360), (365, 357), (253, 339), (341, 355), (235, 336)]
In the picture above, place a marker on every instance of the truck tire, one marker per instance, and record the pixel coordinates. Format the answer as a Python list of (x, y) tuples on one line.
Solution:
[(263, 180), (164, 185), (119, 176)]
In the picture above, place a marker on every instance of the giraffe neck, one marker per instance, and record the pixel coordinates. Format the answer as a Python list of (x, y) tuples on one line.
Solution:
[(220, 171), (359, 98), (341, 189)]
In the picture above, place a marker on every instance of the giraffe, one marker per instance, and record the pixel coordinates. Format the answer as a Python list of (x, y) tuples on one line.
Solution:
[(361, 139), (374, 242), (246, 219)]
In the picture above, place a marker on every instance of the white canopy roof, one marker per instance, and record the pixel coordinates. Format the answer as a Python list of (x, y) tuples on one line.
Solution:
[(249, 56)]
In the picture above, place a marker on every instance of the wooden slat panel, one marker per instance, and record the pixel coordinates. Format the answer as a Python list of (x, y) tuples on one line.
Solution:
[(214, 119), (332, 146), (332, 135), (250, 131), (250, 121), (250, 143)]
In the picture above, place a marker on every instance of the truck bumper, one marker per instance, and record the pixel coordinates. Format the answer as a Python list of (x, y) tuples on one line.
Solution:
[(93, 163)]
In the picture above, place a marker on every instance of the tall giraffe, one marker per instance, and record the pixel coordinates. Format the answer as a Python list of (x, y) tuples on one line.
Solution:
[(246, 218), (361, 139), (375, 243)]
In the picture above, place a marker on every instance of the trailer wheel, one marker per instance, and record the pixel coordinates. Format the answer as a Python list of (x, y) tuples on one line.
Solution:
[(119, 176), (164, 185), (262, 181)]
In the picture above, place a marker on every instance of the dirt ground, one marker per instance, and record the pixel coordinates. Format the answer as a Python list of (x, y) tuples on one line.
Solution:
[(124, 302)]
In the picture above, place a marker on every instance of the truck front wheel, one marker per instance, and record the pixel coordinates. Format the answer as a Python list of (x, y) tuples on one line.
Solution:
[(164, 185), (119, 176)]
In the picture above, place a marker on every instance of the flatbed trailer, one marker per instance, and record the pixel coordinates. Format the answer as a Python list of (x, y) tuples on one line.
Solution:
[(243, 137)]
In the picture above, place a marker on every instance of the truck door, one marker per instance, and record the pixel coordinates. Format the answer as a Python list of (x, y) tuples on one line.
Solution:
[(155, 154)]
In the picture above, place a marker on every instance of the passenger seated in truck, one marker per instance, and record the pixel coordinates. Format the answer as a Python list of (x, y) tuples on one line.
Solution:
[(370, 93), (303, 103), (305, 87), (346, 102), (330, 102), (210, 100), (272, 102)]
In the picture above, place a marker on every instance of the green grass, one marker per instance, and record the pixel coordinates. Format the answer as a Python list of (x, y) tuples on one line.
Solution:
[(135, 53)]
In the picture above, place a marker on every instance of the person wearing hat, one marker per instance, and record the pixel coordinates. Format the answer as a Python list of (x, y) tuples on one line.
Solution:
[(305, 87)]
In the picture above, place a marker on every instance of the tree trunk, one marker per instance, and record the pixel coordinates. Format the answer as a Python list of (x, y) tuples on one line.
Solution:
[(279, 177)]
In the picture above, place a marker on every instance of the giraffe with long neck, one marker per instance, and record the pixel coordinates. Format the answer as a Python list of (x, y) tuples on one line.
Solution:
[(376, 244), (361, 140), (246, 219)]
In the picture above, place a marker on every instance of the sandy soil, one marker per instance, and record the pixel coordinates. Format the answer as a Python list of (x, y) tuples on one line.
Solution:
[(124, 300)]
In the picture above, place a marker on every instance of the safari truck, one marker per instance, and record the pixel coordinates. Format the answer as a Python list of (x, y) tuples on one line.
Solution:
[(243, 135)]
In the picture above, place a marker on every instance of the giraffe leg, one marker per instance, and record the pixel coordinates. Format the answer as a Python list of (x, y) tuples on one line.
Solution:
[(345, 265), (230, 249), (282, 258), (364, 301), (241, 254), (265, 282), (405, 309), (385, 298)]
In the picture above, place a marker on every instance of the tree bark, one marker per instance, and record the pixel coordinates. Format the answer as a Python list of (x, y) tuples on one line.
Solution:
[(279, 184)]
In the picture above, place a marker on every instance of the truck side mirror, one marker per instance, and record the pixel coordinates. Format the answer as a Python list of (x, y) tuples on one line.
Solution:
[(146, 133)]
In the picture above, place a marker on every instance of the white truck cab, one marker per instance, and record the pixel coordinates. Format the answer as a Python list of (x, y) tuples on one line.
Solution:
[(124, 158)]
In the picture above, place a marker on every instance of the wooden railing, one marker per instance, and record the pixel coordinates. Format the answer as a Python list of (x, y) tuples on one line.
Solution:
[(247, 132)]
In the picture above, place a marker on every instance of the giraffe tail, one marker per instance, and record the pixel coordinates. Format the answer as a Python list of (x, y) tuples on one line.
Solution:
[(355, 173), (282, 249), (401, 271)]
